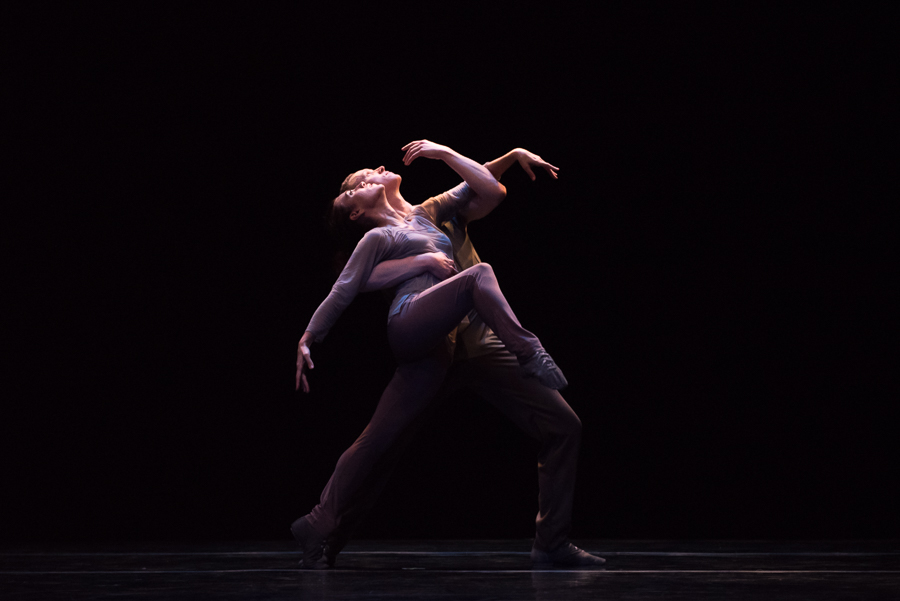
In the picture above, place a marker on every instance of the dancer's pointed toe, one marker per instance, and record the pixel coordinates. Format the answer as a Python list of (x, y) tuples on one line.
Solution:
[(542, 367)]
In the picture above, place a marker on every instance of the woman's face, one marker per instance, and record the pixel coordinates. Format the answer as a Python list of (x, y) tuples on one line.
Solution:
[(363, 197)]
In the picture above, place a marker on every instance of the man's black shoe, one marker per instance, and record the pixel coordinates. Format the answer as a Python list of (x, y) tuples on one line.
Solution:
[(566, 555), (312, 544)]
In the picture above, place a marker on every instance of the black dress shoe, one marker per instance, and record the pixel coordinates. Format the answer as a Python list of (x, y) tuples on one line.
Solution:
[(566, 555), (312, 544)]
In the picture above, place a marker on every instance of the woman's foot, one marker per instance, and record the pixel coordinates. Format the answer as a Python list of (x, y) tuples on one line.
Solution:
[(311, 543), (542, 367)]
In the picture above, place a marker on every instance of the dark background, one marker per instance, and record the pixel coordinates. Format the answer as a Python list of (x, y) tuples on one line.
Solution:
[(712, 270)]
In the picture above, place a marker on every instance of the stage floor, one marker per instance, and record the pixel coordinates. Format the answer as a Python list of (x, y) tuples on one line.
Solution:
[(449, 570)]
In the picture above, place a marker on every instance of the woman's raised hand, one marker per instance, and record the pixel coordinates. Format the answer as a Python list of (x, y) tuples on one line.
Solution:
[(528, 160), (304, 361), (440, 266), (424, 148)]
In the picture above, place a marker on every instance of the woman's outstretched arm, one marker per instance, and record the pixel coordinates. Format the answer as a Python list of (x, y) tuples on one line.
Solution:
[(479, 178), (372, 249)]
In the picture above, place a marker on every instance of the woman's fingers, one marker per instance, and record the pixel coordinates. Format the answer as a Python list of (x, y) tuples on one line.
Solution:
[(409, 148), (414, 142), (301, 378), (411, 155), (419, 148), (304, 360), (411, 143)]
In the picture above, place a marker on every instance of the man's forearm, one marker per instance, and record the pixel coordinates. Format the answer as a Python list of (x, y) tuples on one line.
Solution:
[(479, 178), (388, 274), (480, 206), (498, 166)]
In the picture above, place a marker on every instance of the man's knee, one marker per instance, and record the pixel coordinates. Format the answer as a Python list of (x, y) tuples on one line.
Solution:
[(572, 425)]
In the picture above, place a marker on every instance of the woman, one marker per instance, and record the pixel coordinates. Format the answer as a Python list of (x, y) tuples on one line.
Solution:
[(422, 313)]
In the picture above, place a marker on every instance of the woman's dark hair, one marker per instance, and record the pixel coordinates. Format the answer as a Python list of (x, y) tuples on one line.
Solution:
[(346, 232)]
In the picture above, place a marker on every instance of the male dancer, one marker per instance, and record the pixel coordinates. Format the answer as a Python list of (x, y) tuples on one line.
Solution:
[(483, 365)]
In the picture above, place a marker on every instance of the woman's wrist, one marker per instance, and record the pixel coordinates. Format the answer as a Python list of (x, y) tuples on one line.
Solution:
[(448, 153)]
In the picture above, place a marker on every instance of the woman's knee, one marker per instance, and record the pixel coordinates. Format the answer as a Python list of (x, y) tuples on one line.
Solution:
[(478, 275), (483, 271), (482, 268)]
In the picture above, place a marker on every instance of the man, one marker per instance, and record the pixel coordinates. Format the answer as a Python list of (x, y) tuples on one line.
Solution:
[(483, 366)]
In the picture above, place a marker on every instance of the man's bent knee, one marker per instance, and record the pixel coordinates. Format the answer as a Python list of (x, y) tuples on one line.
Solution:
[(573, 425)]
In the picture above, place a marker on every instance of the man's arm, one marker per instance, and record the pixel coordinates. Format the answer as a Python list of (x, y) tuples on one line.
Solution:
[(388, 274), (480, 206)]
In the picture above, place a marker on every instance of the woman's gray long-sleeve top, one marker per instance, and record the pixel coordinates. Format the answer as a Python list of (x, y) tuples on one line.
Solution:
[(420, 235)]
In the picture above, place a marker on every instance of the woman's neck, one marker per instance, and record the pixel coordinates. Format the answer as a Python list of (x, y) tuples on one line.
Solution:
[(385, 214), (397, 202)]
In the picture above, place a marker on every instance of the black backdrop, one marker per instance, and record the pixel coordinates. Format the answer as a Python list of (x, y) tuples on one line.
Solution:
[(712, 270)]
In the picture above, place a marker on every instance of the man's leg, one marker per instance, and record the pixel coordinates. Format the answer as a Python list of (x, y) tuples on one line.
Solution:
[(543, 414)]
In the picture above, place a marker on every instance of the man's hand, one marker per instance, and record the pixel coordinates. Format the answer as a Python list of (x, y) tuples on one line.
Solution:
[(440, 266), (304, 361), (528, 160)]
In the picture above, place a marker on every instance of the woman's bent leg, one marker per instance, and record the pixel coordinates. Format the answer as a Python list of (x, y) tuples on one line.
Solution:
[(410, 390), (430, 316)]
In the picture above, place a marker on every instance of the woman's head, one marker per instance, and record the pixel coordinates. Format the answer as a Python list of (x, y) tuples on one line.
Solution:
[(360, 203), (348, 219), (350, 214), (388, 179)]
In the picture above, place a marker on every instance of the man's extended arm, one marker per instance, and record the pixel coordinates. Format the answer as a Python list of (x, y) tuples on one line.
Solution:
[(480, 206)]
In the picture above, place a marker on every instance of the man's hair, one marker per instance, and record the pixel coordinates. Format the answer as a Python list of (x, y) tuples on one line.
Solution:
[(350, 182)]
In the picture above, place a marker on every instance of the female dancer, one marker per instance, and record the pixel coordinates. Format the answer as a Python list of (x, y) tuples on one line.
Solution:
[(422, 313)]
